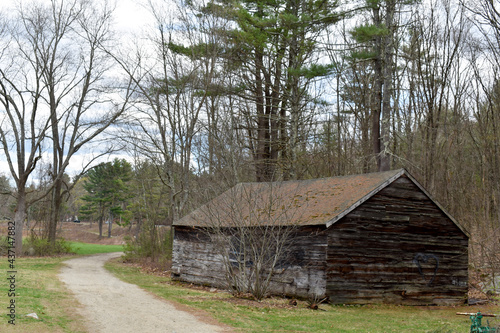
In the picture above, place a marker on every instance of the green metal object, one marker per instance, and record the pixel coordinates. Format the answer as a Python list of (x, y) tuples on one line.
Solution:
[(476, 326)]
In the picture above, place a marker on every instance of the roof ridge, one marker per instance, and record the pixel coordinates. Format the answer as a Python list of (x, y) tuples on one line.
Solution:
[(324, 178)]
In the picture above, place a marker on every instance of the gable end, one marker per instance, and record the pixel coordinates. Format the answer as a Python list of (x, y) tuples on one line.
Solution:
[(402, 173), (366, 197)]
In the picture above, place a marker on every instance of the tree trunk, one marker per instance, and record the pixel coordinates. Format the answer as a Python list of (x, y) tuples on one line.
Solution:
[(377, 96), (55, 210), (387, 53), (110, 222), (19, 217), (376, 103), (100, 227), (262, 162)]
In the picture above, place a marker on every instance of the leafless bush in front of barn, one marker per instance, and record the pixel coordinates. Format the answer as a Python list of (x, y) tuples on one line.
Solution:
[(251, 230)]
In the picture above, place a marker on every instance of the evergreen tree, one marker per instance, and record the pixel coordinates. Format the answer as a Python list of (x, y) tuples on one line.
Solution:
[(273, 53), (108, 191), (377, 45)]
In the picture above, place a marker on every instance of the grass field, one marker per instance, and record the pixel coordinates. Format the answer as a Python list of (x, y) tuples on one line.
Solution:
[(274, 315), (86, 248), (37, 290)]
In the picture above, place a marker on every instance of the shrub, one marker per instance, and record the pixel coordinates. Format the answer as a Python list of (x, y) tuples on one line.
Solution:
[(3, 246), (35, 246), (153, 244)]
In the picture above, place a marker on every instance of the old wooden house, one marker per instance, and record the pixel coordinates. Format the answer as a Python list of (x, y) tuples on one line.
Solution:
[(371, 238)]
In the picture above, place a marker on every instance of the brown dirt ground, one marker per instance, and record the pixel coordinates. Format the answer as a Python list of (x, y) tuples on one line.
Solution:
[(80, 232), (89, 233)]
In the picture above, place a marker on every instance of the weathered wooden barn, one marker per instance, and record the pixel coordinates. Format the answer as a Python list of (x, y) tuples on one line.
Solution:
[(371, 238)]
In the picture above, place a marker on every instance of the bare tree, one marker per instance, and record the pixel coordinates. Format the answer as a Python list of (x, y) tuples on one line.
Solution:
[(23, 126), (81, 98), (439, 42), (172, 85), (251, 227), (486, 16), (57, 92)]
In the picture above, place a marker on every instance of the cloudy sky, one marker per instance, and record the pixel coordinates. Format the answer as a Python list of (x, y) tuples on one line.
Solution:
[(131, 17)]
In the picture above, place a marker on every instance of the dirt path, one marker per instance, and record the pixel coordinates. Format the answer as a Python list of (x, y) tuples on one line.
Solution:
[(111, 305)]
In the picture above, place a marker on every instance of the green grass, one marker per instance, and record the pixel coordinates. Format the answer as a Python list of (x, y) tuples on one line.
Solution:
[(38, 290), (86, 248), (274, 316)]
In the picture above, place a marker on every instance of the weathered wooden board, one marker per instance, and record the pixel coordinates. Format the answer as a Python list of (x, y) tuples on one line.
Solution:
[(397, 247), (196, 260)]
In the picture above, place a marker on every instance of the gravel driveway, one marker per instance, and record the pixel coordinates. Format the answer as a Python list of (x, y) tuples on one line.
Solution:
[(111, 305)]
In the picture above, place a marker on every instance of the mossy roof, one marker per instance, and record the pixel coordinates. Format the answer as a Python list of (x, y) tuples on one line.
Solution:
[(321, 201)]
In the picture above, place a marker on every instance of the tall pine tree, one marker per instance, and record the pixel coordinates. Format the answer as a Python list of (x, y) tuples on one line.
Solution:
[(108, 191), (273, 52), (377, 45)]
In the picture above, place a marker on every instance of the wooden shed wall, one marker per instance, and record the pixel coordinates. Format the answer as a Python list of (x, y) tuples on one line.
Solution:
[(397, 247), (305, 273), (196, 260)]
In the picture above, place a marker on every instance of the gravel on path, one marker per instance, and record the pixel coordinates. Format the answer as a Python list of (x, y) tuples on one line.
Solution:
[(111, 305)]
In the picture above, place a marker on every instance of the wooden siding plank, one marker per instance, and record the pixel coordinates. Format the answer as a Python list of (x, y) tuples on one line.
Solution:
[(397, 247), (195, 260)]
